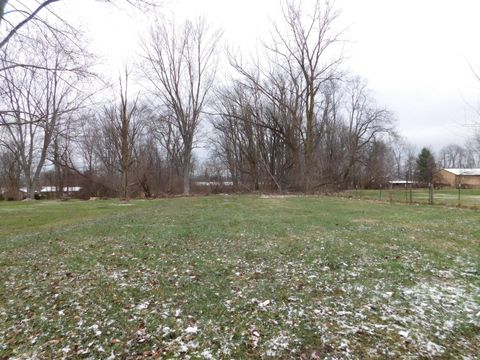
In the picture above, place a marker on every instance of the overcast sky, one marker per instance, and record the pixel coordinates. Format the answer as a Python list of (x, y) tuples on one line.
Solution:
[(415, 55)]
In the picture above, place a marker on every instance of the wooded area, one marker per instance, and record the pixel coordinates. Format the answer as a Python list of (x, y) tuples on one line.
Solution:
[(292, 120)]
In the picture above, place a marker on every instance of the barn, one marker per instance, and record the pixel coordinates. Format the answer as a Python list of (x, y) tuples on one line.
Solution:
[(468, 178)]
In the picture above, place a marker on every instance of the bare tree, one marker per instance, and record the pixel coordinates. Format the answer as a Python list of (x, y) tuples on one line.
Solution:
[(254, 137), (304, 48), (10, 173), (124, 122), (180, 66), (149, 166), (399, 152), (86, 138), (257, 133), (21, 19), (365, 122), (308, 43), (168, 136), (455, 156), (60, 153), (473, 148), (21, 15), (15, 15), (37, 100)]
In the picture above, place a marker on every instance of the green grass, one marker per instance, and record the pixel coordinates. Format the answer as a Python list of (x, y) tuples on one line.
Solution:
[(238, 277), (22, 216), (468, 197)]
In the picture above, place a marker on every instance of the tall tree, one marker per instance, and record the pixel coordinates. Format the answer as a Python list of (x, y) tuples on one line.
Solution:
[(17, 18), (16, 14), (124, 121), (473, 149), (455, 156), (307, 46), (37, 100), (22, 14), (365, 122), (304, 49), (180, 66)]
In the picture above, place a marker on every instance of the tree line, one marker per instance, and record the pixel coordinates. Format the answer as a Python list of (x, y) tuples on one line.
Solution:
[(292, 119)]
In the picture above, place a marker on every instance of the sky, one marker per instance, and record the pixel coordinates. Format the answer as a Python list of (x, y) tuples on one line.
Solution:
[(417, 56)]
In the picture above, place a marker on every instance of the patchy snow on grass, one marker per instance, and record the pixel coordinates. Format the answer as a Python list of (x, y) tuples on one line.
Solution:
[(261, 285)]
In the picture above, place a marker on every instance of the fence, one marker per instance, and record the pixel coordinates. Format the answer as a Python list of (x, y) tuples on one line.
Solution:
[(449, 197)]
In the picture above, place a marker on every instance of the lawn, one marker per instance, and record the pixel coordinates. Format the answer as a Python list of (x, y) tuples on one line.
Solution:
[(227, 277)]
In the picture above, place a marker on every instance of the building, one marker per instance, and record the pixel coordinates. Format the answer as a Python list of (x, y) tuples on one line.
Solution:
[(51, 191), (401, 184), (466, 178)]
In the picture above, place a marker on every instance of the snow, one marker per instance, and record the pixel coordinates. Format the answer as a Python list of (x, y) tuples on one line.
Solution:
[(191, 329)]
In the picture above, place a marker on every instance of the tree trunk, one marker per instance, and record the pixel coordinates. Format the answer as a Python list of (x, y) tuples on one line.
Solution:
[(31, 190), (310, 117), (186, 170), (186, 178), (34, 185)]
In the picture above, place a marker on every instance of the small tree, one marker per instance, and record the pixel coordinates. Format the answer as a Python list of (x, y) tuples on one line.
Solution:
[(425, 166)]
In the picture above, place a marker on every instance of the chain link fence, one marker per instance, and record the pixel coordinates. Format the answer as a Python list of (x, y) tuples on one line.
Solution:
[(449, 197)]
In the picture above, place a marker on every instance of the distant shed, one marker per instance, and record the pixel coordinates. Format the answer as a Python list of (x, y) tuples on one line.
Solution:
[(51, 190), (469, 178), (401, 183)]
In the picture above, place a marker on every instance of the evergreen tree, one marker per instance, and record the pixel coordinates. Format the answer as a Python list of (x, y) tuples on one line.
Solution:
[(425, 166)]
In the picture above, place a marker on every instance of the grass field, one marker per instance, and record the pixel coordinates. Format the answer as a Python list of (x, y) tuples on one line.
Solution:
[(468, 197), (229, 277)]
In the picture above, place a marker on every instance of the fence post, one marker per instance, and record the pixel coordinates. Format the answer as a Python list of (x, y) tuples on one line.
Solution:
[(433, 193), (459, 199), (430, 193)]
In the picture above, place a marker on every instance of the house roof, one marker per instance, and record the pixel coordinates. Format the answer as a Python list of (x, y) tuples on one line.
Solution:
[(464, 172)]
